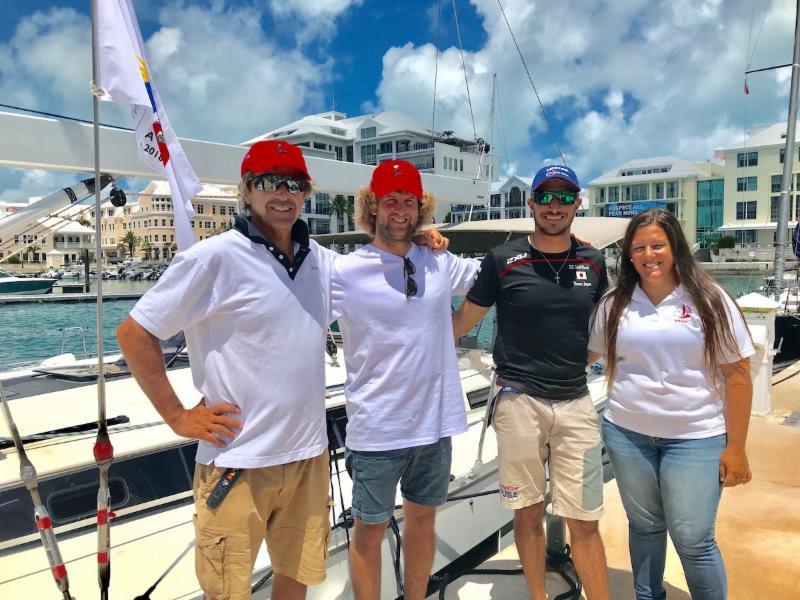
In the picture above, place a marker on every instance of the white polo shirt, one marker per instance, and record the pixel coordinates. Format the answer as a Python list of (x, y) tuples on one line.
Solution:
[(256, 339), (403, 385), (662, 388)]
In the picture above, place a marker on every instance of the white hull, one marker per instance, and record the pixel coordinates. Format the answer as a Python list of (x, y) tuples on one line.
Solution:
[(143, 546)]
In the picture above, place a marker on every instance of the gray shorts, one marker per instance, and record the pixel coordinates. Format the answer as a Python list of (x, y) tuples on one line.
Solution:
[(422, 471)]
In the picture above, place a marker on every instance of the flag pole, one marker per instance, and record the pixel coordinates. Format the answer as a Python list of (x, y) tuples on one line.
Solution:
[(103, 450)]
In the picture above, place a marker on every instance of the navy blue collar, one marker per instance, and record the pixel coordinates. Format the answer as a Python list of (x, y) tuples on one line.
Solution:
[(299, 234)]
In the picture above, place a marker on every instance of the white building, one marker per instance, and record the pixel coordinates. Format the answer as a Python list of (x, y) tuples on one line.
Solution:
[(371, 140), (753, 171), (660, 182)]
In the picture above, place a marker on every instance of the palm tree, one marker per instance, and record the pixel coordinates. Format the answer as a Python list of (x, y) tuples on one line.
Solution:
[(340, 207), (33, 250), (147, 248), (130, 241)]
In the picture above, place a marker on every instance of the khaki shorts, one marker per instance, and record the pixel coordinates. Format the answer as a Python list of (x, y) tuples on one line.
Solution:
[(564, 435), (286, 505)]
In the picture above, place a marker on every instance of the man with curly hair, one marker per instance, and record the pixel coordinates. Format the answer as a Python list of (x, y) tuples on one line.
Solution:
[(404, 400)]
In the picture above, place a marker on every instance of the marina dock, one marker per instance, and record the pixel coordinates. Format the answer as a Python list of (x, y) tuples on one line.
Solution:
[(758, 526), (70, 298)]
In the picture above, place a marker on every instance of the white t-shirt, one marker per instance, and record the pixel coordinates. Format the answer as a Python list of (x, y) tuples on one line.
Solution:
[(256, 339), (662, 387), (403, 386)]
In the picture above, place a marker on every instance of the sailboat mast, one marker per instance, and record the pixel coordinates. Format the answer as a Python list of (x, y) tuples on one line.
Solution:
[(782, 233), (103, 450)]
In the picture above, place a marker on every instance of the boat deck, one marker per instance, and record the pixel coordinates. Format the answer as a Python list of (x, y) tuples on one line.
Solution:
[(758, 528)]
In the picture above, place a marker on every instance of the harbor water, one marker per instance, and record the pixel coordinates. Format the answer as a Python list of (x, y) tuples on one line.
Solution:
[(32, 332)]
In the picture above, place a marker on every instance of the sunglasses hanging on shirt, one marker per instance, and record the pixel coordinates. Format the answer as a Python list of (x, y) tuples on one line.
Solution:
[(408, 270), (270, 183), (547, 197)]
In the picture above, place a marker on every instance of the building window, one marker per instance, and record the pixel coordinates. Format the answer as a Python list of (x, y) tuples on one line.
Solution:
[(199, 209), (368, 132), (494, 201), (774, 208), (747, 159), (385, 148), (613, 194), (746, 210), (673, 189), (368, 156), (601, 195), (461, 164), (495, 214), (746, 184), (782, 154), (637, 193), (323, 205), (746, 236), (231, 210)]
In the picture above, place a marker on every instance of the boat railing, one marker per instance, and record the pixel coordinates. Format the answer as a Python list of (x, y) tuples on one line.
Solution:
[(65, 330)]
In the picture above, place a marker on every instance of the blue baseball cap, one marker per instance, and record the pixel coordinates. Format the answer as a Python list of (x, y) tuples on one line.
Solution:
[(555, 172)]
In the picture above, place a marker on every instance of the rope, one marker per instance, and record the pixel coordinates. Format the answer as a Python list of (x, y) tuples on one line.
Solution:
[(398, 571), (464, 68), (57, 116), (527, 72), (436, 68)]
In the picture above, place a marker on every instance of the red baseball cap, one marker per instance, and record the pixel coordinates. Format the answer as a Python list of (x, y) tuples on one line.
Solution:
[(394, 175), (274, 156)]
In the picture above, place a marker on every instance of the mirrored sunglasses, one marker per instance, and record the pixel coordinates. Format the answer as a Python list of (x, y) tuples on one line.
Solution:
[(547, 197), (270, 183)]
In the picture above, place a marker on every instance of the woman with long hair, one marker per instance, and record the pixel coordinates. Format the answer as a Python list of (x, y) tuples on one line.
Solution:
[(679, 396)]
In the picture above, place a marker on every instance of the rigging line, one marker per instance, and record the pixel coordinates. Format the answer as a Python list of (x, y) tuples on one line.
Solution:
[(502, 129), (57, 116), (747, 56), (436, 70), (758, 35), (527, 72), (464, 68), (39, 227)]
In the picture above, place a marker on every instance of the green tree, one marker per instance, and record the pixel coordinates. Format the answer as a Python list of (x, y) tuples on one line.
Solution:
[(340, 207), (726, 241), (131, 242), (147, 248), (32, 252)]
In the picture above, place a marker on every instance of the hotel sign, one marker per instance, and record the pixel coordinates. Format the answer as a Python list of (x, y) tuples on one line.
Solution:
[(629, 209)]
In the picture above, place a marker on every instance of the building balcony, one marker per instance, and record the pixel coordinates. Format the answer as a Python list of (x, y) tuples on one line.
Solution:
[(73, 245)]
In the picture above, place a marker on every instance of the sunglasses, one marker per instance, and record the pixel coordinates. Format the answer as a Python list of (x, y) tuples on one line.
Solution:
[(545, 197), (270, 183), (408, 271)]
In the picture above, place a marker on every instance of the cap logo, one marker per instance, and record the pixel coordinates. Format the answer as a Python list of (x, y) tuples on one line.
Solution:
[(280, 148)]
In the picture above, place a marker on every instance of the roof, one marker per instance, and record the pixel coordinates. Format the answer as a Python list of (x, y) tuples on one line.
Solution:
[(508, 183), (480, 236), (768, 135), (388, 122), (161, 188), (677, 168)]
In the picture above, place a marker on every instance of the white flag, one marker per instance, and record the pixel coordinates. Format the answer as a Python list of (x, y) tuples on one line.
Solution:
[(124, 76)]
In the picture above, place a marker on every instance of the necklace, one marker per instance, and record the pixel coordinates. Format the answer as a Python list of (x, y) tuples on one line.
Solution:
[(563, 262)]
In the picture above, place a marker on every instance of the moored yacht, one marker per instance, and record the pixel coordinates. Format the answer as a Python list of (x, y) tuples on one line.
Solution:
[(13, 285)]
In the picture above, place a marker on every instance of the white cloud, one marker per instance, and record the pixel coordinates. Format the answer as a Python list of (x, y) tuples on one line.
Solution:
[(621, 80), (222, 78), (314, 19)]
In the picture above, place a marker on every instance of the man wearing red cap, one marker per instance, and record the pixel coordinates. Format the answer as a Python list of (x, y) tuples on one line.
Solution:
[(545, 287), (392, 299), (241, 297)]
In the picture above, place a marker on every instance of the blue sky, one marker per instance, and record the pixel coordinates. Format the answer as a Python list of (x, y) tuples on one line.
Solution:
[(620, 79)]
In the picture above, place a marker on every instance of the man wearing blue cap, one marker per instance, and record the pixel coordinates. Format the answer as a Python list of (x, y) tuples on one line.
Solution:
[(545, 287)]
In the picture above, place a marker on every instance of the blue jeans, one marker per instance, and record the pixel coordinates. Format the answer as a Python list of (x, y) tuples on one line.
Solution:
[(670, 485)]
